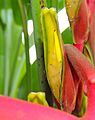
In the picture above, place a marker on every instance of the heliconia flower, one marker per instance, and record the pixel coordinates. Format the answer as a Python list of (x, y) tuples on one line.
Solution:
[(78, 15), (52, 42), (86, 72), (14, 109)]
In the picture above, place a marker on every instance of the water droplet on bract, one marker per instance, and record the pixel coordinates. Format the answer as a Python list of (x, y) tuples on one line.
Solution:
[(67, 5), (72, 20)]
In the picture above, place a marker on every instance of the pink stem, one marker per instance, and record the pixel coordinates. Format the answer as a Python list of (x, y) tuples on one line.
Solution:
[(13, 109)]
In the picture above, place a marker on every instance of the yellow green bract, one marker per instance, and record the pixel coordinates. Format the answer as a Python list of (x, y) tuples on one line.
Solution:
[(53, 54), (38, 98), (72, 7)]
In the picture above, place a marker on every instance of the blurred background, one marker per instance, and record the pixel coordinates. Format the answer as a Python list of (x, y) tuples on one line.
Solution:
[(19, 73)]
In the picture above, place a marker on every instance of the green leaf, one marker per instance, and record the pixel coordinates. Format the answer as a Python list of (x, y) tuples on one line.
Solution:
[(36, 12), (16, 11), (1, 61), (6, 16), (35, 79), (11, 50), (1, 74), (16, 80), (67, 36), (5, 4), (26, 39), (58, 4), (61, 4)]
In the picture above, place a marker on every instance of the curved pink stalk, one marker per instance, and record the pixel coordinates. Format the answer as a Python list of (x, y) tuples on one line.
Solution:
[(12, 109)]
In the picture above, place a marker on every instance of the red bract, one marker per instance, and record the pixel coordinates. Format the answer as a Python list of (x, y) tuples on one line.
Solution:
[(78, 82), (69, 91), (81, 23), (85, 71), (79, 46), (78, 15)]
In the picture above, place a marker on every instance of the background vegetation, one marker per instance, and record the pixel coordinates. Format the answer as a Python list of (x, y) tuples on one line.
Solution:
[(17, 76)]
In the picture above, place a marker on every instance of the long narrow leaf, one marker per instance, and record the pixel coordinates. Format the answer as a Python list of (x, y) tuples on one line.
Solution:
[(24, 23)]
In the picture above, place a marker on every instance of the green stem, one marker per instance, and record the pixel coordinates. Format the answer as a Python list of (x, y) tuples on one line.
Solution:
[(24, 23), (38, 38), (36, 14)]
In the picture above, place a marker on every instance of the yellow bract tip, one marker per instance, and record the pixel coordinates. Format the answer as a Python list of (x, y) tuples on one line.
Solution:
[(57, 47)]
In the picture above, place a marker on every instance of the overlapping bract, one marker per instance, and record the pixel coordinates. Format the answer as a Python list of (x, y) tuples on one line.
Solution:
[(53, 52), (57, 67)]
